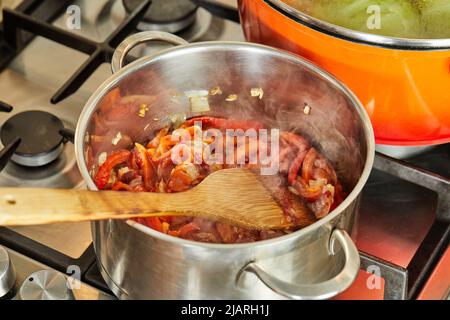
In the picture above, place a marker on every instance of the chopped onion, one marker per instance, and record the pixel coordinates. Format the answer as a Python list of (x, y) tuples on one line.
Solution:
[(214, 91), (257, 92), (116, 139), (198, 100), (161, 186), (102, 158), (231, 97), (293, 190), (199, 104), (306, 109), (192, 171), (123, 170), (143, 108), (317, 183)]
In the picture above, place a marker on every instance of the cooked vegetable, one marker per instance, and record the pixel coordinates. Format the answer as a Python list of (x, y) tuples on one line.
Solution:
[(395, 18), (435, 18), (306, 187), (102, 179)]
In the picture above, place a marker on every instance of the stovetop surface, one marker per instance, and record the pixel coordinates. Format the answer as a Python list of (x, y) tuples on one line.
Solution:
[(396, 216), (32, 78)]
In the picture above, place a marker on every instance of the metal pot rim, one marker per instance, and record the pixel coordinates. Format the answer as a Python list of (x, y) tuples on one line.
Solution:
[(95, 98), (358, 36)]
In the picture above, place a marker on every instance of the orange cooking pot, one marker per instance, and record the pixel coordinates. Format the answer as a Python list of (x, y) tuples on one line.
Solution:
[(404, 84)]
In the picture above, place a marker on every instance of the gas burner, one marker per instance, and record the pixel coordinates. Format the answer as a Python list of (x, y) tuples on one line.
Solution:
[(35, 142), (203, 28), (7, 274), (165, 15), (39, 131)]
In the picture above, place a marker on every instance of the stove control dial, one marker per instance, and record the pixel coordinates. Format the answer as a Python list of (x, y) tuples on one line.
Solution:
[(7, 274), (45, 285)]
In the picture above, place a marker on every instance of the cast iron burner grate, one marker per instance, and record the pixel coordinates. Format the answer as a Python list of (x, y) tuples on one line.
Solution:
[(99, 52), (165, 15), (32, 138)]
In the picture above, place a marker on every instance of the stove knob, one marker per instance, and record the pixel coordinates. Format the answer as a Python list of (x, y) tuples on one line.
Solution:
[(7, 274), (45, 285)]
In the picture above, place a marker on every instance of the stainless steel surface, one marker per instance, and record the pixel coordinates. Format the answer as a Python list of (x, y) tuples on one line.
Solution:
[(321, 290), (25, 266), (28, 84), (357, 36), (7, 273), (187, 269), (31, 79), (71, 239), (45, 285)]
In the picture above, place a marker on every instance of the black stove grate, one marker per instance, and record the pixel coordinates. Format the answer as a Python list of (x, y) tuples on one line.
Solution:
[(39, 10), (46, 255), (19, 20), (430, 170)]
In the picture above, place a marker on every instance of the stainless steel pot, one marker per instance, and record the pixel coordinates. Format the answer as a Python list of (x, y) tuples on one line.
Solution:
[(316, 262)]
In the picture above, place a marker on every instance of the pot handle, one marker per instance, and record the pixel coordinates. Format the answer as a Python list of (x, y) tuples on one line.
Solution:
[(322, 290), (129, 43)]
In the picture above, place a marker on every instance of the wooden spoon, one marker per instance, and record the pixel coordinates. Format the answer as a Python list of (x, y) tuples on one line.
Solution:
[(235, 196)]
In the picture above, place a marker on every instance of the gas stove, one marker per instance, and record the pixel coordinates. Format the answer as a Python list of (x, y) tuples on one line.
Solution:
[(53, 56)]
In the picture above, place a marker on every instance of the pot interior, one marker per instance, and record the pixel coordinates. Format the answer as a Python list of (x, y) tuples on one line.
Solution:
[(334, 122)]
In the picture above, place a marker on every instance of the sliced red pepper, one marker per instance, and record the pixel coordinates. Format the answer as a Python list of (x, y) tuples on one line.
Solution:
[(146, 165), (104, 172), (110, 99), (295, 166), (322, 206), (119, 185), (295, 140), (174, 233), (154, 223), (305, 191), (119, 112), (308, 165), (187, 229)]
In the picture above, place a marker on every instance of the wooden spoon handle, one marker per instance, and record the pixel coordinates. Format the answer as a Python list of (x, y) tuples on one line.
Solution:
[(32, 206)]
